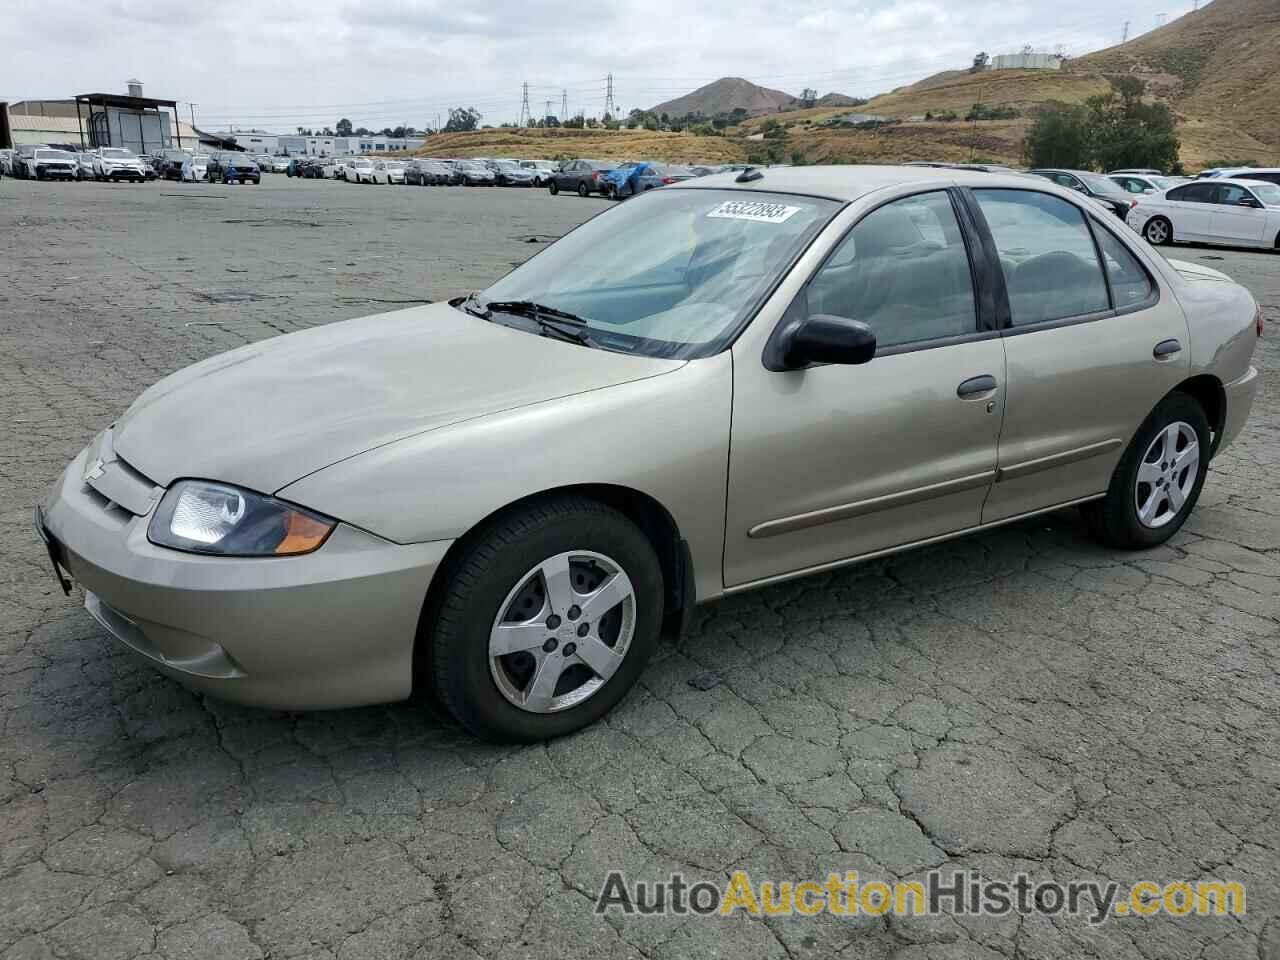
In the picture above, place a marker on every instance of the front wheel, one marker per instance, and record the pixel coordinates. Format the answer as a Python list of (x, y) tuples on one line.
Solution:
[(546, 620), (1157, 482), (583, 190), (1158, 231), (553, 187)]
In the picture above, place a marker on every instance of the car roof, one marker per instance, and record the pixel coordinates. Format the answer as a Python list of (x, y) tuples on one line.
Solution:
[(852, 182), (1241, 173)]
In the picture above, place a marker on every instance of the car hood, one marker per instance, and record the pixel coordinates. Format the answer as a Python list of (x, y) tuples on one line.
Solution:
[(265, 415)]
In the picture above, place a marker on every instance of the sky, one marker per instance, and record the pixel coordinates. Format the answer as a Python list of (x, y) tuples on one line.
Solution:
[(279, 64)]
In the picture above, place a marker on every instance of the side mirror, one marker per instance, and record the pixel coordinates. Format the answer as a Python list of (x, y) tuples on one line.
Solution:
[(823, 338), (1249, 202)]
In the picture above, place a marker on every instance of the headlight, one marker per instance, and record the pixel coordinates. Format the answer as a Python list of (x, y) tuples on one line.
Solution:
[(203, 517)]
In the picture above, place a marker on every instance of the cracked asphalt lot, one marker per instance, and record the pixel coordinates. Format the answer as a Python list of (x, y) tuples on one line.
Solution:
[(1018, 701)]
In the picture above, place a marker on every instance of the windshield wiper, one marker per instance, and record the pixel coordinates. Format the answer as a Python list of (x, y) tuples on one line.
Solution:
[(552, 321), (471, 303)]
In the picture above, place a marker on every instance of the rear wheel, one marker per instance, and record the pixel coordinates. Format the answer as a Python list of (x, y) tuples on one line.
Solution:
[(546, 620), (554, 188), (583, 189), (1157, 482), (1158, 231)]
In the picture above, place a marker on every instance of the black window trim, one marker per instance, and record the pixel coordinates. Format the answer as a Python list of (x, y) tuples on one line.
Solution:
[(985, 320), (1008, 329)]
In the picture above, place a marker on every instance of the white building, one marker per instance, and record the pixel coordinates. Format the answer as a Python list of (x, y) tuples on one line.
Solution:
[(256, 141), (1026, 61)]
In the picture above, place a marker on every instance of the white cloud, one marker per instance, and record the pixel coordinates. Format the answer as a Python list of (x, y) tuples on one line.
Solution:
[(284, 63)]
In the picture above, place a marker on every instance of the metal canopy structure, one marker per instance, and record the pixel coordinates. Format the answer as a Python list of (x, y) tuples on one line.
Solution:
[(104, 102)]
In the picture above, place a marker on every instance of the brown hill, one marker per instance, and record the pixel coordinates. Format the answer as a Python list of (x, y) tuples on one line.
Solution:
[(555, 144), (1219, 68), (726, 95)]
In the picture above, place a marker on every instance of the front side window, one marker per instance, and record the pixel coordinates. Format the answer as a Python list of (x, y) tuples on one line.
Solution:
[(1050, 264), (673, 273), (903, 270), (1230, 194)]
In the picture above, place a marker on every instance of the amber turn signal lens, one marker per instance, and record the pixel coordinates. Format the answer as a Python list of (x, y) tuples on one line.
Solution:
[(302, 534)]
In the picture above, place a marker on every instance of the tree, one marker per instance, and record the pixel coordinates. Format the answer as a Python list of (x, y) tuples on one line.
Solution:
[(1059, 137), (808, 97), (1126, 131), (462, 119), (343, 129), (363, 132)]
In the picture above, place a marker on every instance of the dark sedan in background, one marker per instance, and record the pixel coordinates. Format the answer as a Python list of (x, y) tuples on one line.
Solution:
[(579, 176), (1103, 189), (472, 173), (233, 168), (509, 173)]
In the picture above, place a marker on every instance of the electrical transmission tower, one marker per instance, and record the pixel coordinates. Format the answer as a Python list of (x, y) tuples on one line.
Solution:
[(1125, 37), (564, 105), (609, 106), (525, 113), (546, 113)]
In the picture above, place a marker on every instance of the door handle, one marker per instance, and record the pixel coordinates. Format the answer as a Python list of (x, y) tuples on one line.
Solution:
[(1166, 348), (976, 387)]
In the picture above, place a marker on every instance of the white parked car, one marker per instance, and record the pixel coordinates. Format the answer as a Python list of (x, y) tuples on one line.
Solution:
[(1145, 183), (1267, 174), (1235, 213), (85, 164), (280, 164), (6, 162), (542, 170), (393, 170), (361, 170), (117, 163), (199, 169)]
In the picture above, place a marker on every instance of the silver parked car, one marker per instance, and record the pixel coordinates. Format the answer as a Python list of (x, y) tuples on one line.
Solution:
[(720, 385)]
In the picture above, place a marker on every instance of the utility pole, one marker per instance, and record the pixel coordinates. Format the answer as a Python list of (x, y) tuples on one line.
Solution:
[(973, 145), (193, 114), (1161, 19), (1125, 36), (526, 114), (546, 113)]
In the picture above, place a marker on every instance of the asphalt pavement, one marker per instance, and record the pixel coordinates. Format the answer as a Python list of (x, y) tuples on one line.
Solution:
[(1019, 701)]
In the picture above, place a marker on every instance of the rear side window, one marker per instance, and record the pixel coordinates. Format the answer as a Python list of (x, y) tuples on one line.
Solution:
[(1050, 264), (1130, 284), (1192, 193), (904, 270)]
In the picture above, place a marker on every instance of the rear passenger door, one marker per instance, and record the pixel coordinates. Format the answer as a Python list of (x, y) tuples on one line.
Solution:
[(1089, 351), (1191, 210), (834, 462)]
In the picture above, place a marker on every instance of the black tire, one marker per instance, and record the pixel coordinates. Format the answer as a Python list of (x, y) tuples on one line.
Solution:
[(1147, 230), (499, 555), (1114, 519), (584, 191), (553, 187)]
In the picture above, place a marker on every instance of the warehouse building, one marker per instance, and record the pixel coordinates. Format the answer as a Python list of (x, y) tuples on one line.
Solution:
[(132, 121)]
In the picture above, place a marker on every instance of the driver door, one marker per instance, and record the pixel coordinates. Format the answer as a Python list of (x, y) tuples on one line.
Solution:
[(1231, 221), (833, 462)]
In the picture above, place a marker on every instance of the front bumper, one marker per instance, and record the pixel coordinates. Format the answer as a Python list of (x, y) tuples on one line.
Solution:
[(334, 628)]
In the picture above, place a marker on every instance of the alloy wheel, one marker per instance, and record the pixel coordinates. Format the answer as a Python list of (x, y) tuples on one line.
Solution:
[(1167, 475), (1158, 231), (563, 630)]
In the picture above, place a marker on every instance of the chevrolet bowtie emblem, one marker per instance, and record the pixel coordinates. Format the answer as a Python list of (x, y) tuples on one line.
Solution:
[(95, 471)]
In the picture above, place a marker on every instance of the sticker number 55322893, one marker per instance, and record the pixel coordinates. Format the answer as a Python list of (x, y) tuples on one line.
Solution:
[(754, 210)]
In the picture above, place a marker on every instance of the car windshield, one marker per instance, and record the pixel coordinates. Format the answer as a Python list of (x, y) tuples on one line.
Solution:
[(1268, 193), (471, 165), (1162, 183), (117, 152), (674, 273), (53, 155), (395, 165), (363, 164), (1099, 184)]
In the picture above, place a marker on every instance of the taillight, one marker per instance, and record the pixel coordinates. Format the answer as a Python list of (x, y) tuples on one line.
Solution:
[(1259, 320), (595, 174), (667, 180)]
